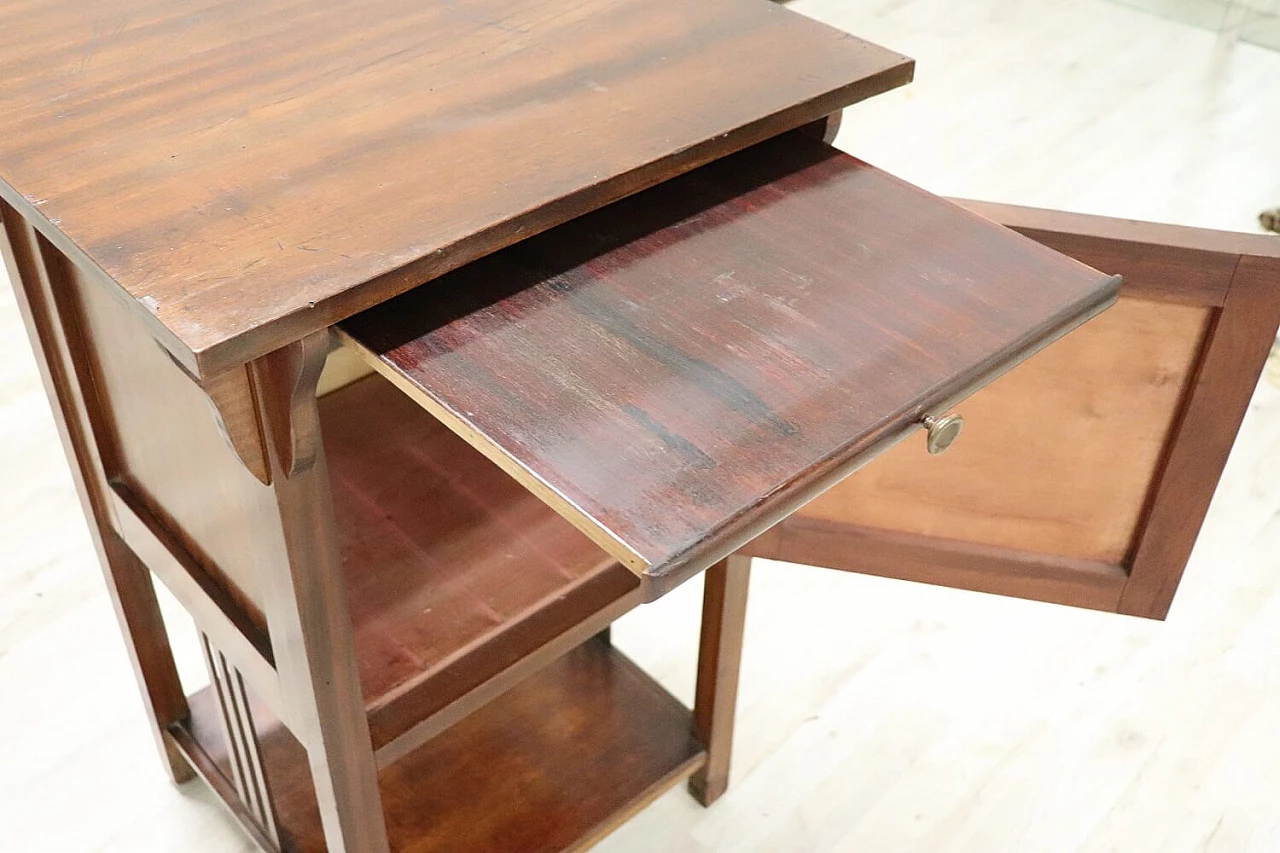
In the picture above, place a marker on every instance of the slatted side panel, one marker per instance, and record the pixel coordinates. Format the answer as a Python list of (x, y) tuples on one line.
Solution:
[(243, 749)]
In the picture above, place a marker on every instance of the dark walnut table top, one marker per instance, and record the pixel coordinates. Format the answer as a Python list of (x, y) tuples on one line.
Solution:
[(248, 173)]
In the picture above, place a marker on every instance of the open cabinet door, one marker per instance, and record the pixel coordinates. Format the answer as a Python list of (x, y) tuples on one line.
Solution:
[(1084, 474)]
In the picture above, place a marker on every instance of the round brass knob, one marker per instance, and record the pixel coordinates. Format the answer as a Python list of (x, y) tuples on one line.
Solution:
[(942, 432)]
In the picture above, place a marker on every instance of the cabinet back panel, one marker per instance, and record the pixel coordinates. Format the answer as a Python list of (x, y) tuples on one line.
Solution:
[(1026, 472)]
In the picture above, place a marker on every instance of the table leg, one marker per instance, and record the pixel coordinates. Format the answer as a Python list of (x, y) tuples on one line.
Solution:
[(37, 272), (307, 611), (724, 611)]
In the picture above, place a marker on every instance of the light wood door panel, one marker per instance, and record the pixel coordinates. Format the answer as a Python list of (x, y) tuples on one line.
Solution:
[(1084, 474), (1103, 399)]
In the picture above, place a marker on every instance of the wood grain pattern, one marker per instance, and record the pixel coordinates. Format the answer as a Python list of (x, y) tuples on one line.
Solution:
[(455, 573), (1026, 473), (38, 273), (168, 450), (548, 768), (676, 373), (248, 174)]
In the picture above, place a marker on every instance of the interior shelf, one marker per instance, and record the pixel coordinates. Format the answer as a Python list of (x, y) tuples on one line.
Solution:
[(553, 765), (456, 574)]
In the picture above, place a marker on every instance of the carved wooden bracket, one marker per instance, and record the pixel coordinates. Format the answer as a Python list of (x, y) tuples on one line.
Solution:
[(236, 411), (289, 378), (286, 383), (825, 128)]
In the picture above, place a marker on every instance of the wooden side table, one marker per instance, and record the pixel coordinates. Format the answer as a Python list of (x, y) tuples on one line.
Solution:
[(627, 316)]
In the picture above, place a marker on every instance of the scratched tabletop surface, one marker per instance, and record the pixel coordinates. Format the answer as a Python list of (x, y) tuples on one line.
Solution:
[(248, 173)]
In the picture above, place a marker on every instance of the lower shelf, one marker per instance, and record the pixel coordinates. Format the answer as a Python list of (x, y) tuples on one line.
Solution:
[(460, 581), (551, 765)]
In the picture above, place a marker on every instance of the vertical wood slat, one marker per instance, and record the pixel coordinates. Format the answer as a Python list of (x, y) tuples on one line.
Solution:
[(724, 613), (1235, 351), (38, 278), (243, 748), (216, 665), (307, 608)]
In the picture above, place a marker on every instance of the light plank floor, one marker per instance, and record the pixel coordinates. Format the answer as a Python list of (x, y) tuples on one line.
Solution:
[(875, 716)]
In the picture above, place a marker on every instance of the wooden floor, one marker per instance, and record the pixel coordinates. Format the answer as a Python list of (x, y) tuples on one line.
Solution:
[(876, 716)]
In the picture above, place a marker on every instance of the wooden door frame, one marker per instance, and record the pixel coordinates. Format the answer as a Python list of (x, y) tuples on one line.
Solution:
[(1236, 277)]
